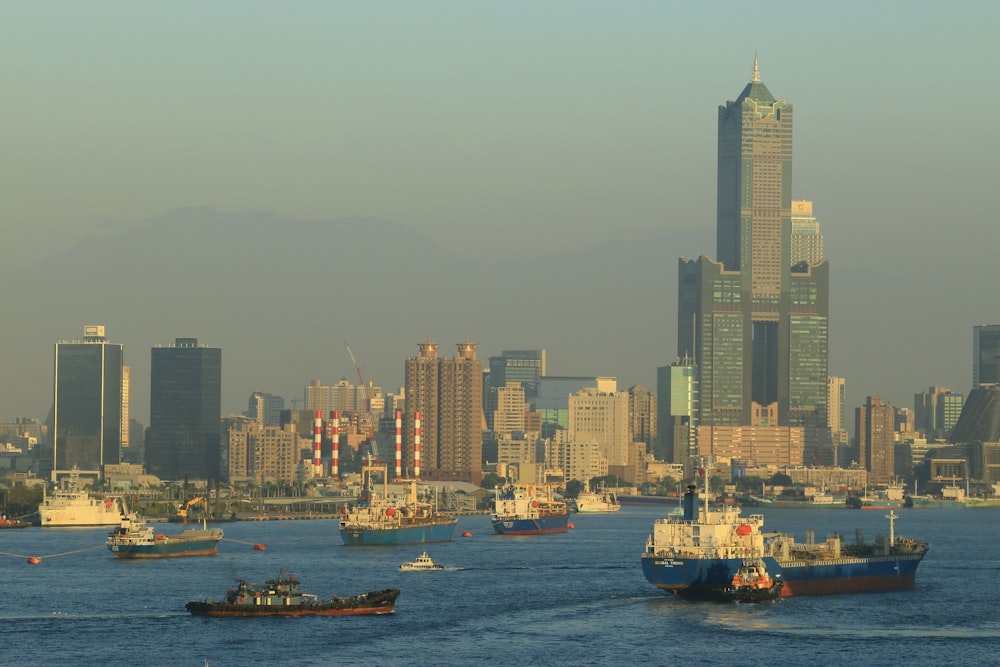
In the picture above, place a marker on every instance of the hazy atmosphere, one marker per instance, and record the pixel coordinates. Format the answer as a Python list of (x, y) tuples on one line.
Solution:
[(275, 178)]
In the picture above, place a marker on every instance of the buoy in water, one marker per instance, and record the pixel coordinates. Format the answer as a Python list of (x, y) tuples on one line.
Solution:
[(259, 547), (34, 560), (466, 534), (571, 525)]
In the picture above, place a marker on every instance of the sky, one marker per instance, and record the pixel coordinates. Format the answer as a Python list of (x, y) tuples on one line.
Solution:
[(522, 126)]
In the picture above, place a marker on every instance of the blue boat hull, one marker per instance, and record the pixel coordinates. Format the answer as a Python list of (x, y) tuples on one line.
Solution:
[(702, 578), (540, 526), (206, 547), (358, 536)]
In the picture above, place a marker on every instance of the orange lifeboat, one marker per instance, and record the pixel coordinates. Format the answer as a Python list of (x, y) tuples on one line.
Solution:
[(34, 560), (259, 547)]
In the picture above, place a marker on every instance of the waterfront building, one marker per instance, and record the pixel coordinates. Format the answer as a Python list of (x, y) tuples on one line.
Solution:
[(263, 453), (185, 401), (985, 355), (874, 424), (755, 322), (577, 459), (87, 403), (602, 417)]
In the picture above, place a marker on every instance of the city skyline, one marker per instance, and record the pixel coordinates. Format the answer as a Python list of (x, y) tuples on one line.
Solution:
[(508, 134)]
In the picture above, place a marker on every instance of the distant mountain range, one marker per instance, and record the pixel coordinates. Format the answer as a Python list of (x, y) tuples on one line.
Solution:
[(281, 295)]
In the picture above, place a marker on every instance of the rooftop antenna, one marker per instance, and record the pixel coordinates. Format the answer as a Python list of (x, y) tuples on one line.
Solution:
[(756, 70)]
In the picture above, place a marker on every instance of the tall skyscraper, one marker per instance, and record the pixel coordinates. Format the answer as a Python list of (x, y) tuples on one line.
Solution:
[(185, 401), (985, 354), (448, 394), (756, 325), (87, 402), (460, 416)]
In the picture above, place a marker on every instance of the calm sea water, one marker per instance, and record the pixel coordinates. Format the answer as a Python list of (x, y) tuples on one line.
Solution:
[(574, 599)]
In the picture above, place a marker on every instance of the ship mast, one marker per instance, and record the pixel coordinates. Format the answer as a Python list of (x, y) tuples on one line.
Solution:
[(892, 516)]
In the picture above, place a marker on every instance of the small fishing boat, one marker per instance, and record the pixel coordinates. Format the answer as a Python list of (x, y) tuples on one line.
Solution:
[(422, 563)]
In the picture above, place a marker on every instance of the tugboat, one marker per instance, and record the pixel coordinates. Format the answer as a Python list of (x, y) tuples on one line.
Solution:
[(422, 563), (752, 583), (282, 597), (12, 523)]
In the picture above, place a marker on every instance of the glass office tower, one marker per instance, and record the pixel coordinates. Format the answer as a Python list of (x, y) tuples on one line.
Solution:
[(87, 402), (184, 411), (756, 326)]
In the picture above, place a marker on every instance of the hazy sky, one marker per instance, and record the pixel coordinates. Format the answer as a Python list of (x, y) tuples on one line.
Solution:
[(524, 126)]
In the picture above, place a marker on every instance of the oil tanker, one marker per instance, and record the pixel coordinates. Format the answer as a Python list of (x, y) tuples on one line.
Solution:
[(695, 552), (528, 509)]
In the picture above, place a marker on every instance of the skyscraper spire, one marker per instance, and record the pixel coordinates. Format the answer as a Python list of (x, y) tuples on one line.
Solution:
[(756, 70)]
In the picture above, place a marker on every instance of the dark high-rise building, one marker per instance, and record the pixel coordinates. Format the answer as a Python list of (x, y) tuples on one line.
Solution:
[(874, 424), (524, 366), (756, 325), (985, 354), (87, 402), (184, 411)]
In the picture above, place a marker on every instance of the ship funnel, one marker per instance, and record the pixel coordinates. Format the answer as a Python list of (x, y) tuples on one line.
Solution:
[(691, 503)]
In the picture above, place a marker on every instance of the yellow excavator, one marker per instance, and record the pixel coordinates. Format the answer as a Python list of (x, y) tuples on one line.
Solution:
[(182, 512)]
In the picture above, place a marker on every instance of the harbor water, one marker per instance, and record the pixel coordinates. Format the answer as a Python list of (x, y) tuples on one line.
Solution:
[(577, 598)]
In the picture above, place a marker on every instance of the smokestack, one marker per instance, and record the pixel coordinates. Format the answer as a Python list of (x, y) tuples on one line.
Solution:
[(318, 445), (416, 445), (335, 464), (399, 444)]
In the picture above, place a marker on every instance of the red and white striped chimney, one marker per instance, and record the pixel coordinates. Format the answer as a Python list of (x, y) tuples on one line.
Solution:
[(416, 445), (318, 445), (335, 464), (399, 444)]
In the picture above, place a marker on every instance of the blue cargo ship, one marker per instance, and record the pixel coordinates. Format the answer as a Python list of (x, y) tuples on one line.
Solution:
[(695, 552), (378, 520), (135, 539), (528, 509)]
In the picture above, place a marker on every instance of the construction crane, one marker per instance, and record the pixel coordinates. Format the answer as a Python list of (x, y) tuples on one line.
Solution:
[(362, 390)]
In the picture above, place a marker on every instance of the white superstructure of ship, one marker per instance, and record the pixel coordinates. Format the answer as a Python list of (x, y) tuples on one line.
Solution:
[(596, 502), (70, 505)]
